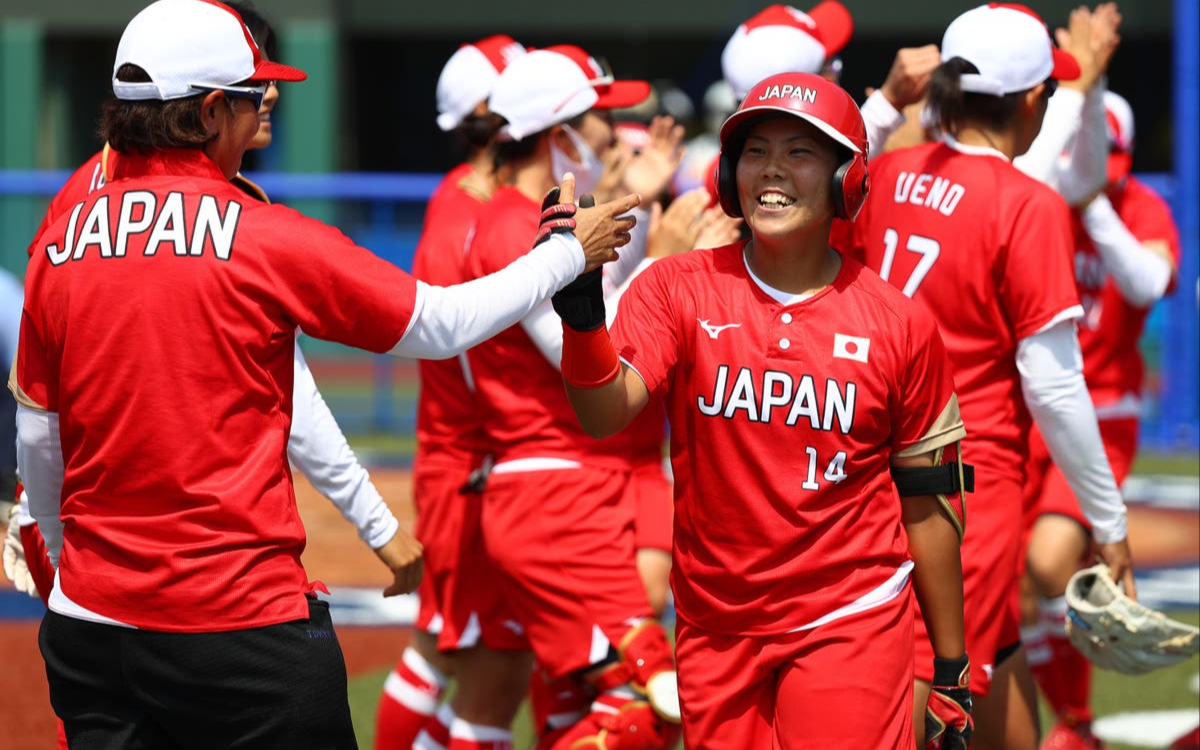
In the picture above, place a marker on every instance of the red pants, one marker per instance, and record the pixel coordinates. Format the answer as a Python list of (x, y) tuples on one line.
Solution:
[(845, 684), (564, 544), (460, 593), (1046, 489), (654, 501)]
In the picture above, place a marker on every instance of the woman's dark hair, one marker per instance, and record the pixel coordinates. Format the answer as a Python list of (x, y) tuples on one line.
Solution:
[(955, 106), (258, 25), (146, 125), (476, 132)]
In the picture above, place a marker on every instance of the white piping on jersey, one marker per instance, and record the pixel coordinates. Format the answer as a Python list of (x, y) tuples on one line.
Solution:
[(878, 596), (966, 148), (1127, 407), (782, 297), (1074, 312), (536, 463)]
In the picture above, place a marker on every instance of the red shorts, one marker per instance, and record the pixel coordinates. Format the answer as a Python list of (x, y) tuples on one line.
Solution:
[(1046, 489), (991, 551), (38, 561), (564, 543), (460, 592), (654, 503), (845, 684)]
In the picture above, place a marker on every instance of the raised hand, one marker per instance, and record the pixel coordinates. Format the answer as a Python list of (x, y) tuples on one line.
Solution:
[(675, 230), (1077, 39), (911, 72), (649, 171), (717, 229), (602, 228)]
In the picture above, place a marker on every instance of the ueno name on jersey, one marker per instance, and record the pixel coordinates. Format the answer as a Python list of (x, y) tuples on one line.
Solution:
[(929, 191)]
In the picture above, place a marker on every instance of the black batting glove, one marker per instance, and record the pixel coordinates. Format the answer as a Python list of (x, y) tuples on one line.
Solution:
[(948, 722), (557, 218)]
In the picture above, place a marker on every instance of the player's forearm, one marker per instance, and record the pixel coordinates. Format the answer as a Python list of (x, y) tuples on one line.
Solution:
[(1141, 275), (319, 449), (618, 273), (881, 120), (606, 410), (450, 320), (1064, 117), (1086, 169), (1051, 368), (937, 573), (39, 459)]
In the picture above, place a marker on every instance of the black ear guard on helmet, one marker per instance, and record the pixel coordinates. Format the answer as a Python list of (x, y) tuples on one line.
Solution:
[(851, 183)]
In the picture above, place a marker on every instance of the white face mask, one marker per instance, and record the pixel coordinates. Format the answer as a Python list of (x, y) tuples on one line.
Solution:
[(588, 170)]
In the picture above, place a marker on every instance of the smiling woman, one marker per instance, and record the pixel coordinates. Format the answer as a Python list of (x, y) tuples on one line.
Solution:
[(807, 365)]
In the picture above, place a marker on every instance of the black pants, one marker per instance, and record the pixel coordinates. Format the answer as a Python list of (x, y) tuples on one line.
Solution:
[(281, 686)]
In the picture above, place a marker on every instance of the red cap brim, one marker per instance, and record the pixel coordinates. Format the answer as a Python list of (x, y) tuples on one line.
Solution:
[(834, 24), (621, 94), (273, 71), (1066, 68)]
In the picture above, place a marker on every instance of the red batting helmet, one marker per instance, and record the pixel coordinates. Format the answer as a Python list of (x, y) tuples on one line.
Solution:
[(818, 101)]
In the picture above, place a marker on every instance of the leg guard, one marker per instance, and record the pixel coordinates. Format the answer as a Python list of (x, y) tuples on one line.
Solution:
[(646, 664), (557, 705), (620, 724)]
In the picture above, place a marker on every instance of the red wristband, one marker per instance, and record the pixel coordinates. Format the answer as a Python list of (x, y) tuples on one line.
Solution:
[(588, 358)]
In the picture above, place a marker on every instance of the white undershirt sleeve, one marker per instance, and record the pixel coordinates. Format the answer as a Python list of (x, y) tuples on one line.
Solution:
[(40, 461), (1051, 368), (1142, 276), (449, 320), (1085, 170), (1064, 117), (544, 327), (881, 119), (319, 450)]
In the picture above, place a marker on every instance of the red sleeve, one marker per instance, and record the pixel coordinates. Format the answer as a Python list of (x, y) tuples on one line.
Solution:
[(644, 331), (508, 235), (920, 411), (1148, 218), (1037, 270), (332, 288), (36, 377), (81, 182)]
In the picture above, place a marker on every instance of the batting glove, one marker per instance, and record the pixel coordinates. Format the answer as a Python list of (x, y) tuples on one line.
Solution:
[(557, 218), (948, 723), (15, 567)]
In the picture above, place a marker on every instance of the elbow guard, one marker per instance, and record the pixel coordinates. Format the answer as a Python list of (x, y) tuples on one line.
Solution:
[(946, 479)]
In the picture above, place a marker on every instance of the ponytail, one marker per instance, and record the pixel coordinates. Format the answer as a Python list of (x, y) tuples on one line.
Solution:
[(953, 106)]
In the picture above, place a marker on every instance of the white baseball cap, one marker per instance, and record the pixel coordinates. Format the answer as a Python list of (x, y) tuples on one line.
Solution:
[(1119, 120), (782, 39), (469, 76), (191, 46), (550, 86), (1010, 45)]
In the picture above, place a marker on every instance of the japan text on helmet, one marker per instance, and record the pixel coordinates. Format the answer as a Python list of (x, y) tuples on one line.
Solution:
[(823, 104)]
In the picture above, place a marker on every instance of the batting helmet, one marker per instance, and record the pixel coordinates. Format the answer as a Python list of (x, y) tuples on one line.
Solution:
[(822, 103)]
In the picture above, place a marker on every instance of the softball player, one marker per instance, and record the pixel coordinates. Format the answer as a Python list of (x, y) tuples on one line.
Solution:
[(793, 379), (461, 613), (1127, 252), (154, 388), (556, 518), (987, 249)]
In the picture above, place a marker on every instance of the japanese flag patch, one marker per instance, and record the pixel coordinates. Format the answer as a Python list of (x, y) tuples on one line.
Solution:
[(851, 347)]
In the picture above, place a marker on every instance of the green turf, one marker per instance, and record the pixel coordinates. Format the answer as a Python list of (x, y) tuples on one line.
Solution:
[(1112, 693), (1173, 464)]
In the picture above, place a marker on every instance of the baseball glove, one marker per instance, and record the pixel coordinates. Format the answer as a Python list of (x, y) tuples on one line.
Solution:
[(1115, 632)]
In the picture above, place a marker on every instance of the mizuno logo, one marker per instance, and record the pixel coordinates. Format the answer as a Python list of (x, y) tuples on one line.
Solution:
[(714, 331)]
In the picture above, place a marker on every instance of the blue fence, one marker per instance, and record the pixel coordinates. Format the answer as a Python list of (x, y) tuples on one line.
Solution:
[(383, 212)]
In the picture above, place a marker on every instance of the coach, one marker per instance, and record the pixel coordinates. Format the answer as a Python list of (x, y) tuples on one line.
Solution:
[(154, 380)]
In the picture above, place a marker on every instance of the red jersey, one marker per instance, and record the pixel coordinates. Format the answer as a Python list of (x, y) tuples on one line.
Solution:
[(784, 418), (449, 423), (987, 249), (1111, 327), (526, 412), (91, 175), (159, 323)]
